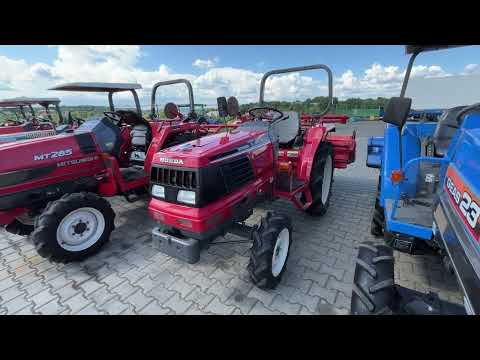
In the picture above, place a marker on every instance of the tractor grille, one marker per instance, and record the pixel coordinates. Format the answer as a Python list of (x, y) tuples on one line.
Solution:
[(185, 179), (210, 183), (237, 173)]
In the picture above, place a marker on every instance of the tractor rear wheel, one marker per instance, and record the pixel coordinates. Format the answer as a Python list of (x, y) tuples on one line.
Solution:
[(73, 227), (321, 178), (270, 250), (374, 290)]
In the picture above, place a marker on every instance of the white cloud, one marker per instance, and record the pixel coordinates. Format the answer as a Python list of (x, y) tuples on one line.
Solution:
[(118, 63), (379, 80), (471, 69), (206, 64), (86, 63)]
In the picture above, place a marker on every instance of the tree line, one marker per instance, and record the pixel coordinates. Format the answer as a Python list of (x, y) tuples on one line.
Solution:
[(319, 103)]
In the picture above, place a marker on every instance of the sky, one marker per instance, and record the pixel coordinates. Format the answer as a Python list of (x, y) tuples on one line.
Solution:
[(359, 70)]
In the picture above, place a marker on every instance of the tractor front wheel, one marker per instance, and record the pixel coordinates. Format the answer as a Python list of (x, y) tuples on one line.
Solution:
[(73, 227), (321, 178), (270, 250)]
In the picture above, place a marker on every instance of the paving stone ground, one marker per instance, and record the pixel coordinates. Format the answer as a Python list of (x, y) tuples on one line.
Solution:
[(130, 277)]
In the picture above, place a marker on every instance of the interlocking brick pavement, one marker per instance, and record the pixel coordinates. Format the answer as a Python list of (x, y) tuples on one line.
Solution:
[(130, 277)]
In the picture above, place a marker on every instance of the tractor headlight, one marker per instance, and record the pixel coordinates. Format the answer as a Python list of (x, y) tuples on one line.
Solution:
[(187, 197), (158, 191)]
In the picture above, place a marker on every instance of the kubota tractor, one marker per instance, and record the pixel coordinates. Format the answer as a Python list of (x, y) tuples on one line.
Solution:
[(53, 188), (207, 187)]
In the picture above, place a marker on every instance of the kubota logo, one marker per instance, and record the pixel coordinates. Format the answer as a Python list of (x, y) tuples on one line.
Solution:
[(171, 161)]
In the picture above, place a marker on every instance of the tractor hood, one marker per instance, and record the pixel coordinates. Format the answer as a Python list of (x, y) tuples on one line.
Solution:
[(36, 152), (43, 152), (203, 151)]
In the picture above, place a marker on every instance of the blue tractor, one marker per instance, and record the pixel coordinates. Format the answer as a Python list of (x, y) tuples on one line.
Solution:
[(428, 201)]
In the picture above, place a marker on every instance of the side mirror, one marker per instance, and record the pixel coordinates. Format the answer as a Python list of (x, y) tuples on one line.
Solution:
[(170, 110), (222, 106), (232, 106), (397, 110)]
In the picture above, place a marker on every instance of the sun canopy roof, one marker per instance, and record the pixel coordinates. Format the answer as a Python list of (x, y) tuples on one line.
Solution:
[(24, 101), (97, 87), (410, 49)]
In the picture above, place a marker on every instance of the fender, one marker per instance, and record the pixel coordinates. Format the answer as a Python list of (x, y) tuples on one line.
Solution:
[(313, 138), (155, 146)]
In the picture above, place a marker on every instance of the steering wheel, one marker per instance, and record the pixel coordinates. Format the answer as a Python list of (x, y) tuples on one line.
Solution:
[(265, 113), (114, 117)]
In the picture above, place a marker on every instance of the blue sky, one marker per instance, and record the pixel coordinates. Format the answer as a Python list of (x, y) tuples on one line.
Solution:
[(359, 70)]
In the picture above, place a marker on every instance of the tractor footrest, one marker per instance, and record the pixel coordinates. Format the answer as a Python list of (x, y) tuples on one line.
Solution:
[(185, 249)]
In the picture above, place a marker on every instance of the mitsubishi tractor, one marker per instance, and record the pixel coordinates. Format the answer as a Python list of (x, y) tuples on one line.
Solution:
[(54, 189)]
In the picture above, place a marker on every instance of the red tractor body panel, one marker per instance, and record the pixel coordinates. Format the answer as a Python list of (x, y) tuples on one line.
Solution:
[(39, 162), (197, 153), (344, 149), (11, 129)]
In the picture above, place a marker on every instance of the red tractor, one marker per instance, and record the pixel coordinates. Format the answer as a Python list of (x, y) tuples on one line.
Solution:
[(207, 187), (53, 188), (27, 126)]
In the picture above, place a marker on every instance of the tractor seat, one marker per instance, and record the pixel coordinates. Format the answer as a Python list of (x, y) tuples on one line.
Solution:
[(139, 135), (140, 140), (446, 128), (288, 129)]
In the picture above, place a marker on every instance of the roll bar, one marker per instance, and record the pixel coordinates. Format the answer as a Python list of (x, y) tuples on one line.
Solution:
[(109, 88), (415, 50), (171, 82), (298, 69), (135, 98)]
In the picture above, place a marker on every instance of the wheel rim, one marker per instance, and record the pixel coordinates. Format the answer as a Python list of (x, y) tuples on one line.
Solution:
[(327, 179), (280, 252), (80, 229)]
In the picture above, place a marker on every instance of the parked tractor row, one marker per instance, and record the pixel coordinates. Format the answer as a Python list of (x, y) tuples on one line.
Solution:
[(204, 180)]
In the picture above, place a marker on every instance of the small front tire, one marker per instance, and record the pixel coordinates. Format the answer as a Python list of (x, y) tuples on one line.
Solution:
[(270, 251)]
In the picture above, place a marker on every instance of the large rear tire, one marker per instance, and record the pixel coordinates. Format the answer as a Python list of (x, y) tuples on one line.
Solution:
[(73, 227), (374, 290), (270, 251), (321, 178)]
